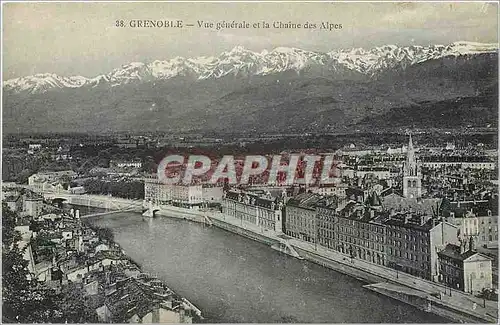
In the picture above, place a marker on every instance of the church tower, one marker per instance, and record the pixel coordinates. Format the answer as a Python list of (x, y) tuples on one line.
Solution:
[(412, 177)]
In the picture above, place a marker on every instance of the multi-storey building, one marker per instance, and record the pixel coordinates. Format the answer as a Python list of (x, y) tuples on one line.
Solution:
[(126, 163), (413, 241), (300, 217), (408, 245), (431, 163), (153, 191), (325, 221), (34, 147), (260, 209), (330, 189), (405, 241), (33, 205), (212, 193), (488, 230), (14, 202), (183, 195), (378, 172), (462, 268), (359, 233), (50, 181), (478, 219)]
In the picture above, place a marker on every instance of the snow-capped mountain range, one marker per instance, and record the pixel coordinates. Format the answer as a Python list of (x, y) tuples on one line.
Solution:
[(242, 61)]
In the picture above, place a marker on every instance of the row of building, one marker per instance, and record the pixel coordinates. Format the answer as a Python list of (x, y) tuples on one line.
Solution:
[(192, 196), (409, 241), (65, 254), (432, 238), (24, 202)]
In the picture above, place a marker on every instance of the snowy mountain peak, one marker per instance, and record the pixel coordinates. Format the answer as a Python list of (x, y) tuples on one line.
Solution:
[(241, 61), (464, 47), (282, 49), (238, 49)]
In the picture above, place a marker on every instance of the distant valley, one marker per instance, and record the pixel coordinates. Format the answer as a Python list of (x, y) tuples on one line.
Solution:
[(284, 90)]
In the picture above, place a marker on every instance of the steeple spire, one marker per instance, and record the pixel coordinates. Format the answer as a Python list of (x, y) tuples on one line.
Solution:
[(411, 177), (410, 159)]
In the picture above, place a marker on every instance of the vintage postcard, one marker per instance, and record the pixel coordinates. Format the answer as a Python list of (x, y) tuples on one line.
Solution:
[(250, 162)]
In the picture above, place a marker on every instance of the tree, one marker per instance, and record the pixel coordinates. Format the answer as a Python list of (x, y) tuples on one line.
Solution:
[(41, 306), (74, 307), (9, 235), (148, 165), (22, 177), (15, 283), (23, 299), (65, 180)]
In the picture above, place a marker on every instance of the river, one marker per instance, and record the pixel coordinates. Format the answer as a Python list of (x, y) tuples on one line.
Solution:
[(233, 279)]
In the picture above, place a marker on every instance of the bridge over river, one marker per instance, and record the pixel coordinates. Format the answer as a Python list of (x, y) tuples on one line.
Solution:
[(120, 205), (106, 202), (233, 279)]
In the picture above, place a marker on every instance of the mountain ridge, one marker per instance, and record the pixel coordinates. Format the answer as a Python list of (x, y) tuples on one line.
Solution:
[(277, 92), (240, 61)]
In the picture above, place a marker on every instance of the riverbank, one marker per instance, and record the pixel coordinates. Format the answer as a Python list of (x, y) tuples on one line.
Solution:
[(181, 213), (234, 279), (106, 234), (458, 307), (421, 301)]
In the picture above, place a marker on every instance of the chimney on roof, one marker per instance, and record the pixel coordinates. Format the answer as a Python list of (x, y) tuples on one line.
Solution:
[(434, 222), (463, 245), (471, 243)]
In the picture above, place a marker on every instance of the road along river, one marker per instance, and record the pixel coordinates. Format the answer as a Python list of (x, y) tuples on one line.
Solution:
[(234, 279)]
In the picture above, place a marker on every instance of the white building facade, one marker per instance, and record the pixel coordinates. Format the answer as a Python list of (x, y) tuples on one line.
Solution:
[(162, 194), (262, 211)]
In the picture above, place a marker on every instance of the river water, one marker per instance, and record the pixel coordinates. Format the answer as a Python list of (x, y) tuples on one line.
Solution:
[(234, 279)]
